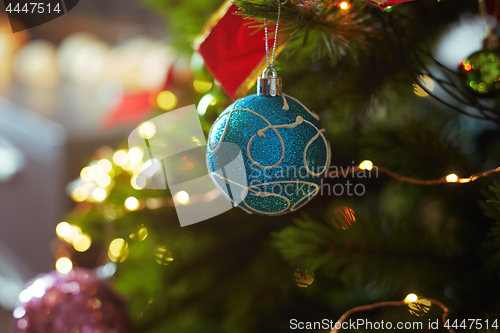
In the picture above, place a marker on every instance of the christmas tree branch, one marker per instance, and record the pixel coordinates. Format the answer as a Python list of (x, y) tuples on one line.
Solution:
[(338, 29)]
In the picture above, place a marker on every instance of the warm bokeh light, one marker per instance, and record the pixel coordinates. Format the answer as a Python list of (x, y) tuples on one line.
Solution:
[(452, 178), (410, 298), (182, 197), (132, 204), (163, 255), (139, 233), (64, 265), (344, 5), (82, 243), (467, 65), (79, 194), (105, 165), (63, 229), (343, 217), (204, 103), (87, 174), (128, 166), (135, 154), (138, 182), (303, 278), (154, 203), (103, 180), (147, 130), (419, 307), (99, 194), (425, 81), (366, 165), (118, 250), (202, 86), (120, 157), (166, 100), (74, 232)]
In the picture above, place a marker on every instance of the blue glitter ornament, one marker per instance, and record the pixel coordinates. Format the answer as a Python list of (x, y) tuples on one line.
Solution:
[(282, 147)]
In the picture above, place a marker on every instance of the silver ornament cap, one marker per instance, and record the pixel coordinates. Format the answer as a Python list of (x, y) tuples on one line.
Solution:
[(269, 84)]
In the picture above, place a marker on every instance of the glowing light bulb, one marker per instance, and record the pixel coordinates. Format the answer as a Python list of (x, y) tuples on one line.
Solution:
[(452, 178), (366, 165), (64, 265), (182, 197), (131, 204), (63, 229), (410, 298)]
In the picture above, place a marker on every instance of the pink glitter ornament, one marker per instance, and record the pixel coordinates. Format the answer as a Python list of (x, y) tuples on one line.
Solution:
[(75, 302)]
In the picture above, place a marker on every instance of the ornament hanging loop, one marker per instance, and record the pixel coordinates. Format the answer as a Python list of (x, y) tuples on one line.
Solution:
[(269, 86)]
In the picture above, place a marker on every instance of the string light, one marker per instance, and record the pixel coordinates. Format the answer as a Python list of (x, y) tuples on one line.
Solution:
[(64, 265), (366, 165), (451, 178), (411, 298)]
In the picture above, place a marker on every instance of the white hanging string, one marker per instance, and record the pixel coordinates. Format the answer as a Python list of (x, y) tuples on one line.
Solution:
[(271, 63)]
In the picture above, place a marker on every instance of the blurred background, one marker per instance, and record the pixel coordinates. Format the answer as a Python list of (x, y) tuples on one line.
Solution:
[(59, 85)]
